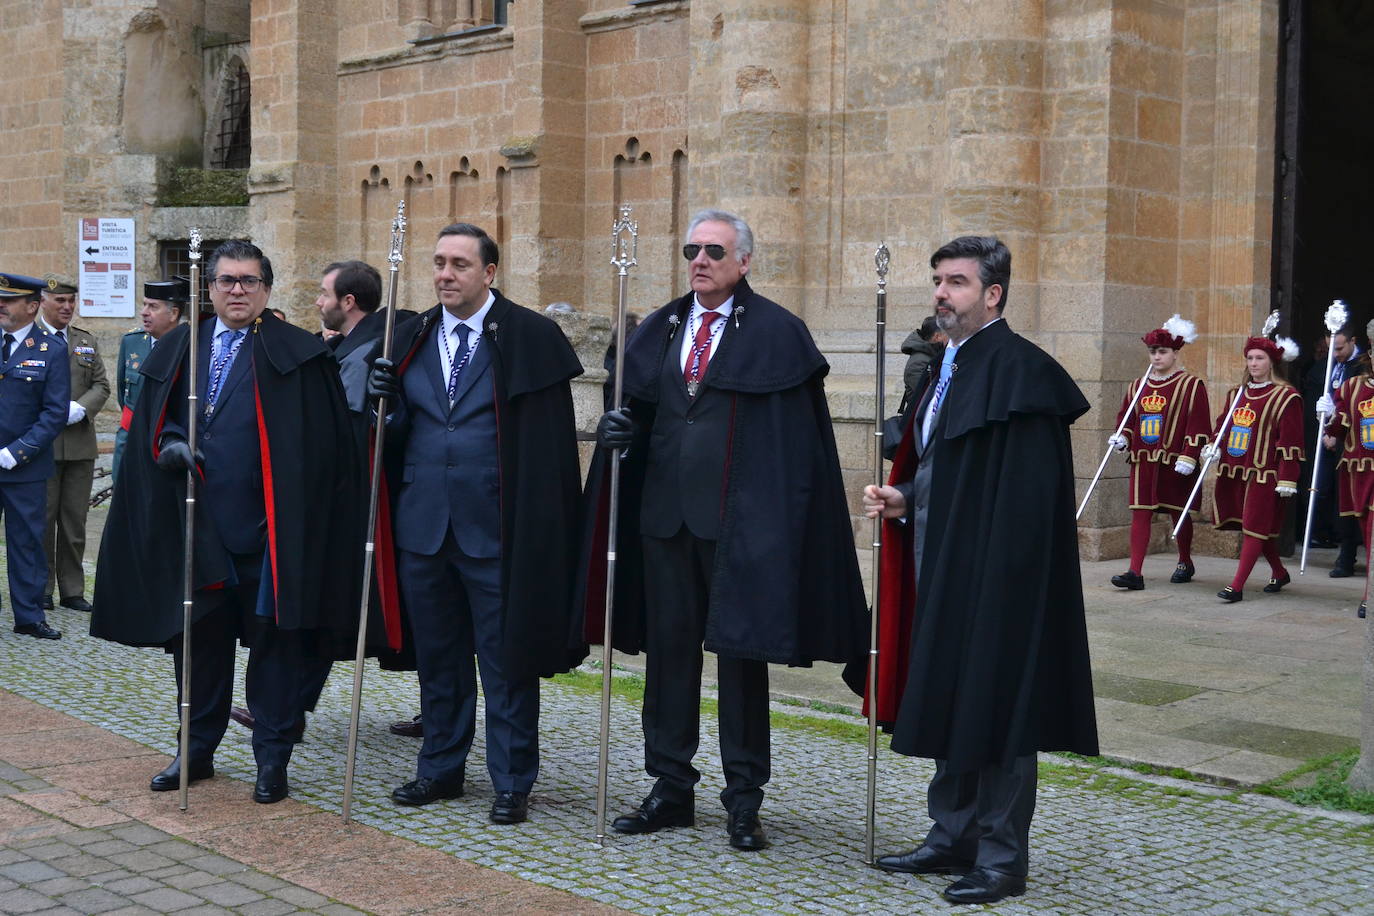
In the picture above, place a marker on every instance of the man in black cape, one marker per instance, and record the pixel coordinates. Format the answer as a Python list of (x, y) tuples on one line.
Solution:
[(482, 464), (983, 636), (733, 531), (277, 517)]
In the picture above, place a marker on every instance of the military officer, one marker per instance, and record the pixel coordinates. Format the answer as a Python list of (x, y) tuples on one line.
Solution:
[(34, 390), (74, 451), (164, 304)]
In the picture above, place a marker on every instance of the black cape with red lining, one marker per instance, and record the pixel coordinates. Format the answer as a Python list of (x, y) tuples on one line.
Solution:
[(992, 655), (532, 364), (316, 509), (786, 586)]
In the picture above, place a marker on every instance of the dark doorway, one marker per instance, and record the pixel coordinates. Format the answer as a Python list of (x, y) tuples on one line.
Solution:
[(1324, 208)]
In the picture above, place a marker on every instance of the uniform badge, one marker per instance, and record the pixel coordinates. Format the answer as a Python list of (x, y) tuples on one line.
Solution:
[(1238, 439), (1152, 419), (43, 347), (29, 342), (1366, 409)]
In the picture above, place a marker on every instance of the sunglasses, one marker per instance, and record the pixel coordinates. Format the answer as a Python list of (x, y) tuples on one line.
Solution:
[(714, 252)]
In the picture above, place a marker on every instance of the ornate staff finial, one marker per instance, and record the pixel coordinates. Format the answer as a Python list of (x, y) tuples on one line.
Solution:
[(195, 244), (881, 258), (1336, 316), (624, 241), (1271, 323), (398, 234)]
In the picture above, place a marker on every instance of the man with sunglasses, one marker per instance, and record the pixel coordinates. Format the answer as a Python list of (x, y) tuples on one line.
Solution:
[(280, 486), (734, 530)]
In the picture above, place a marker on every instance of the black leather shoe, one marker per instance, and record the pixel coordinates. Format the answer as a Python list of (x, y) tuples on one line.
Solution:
[(39, 630), (924, 861), (241, 716), (170, 778), (423, 790), (1361, 612), (1277, 584), (77, 604), (510, 807), (271, 786), (1230, 595), (1183, 572), (1341, 572), (414, 728), (655, 813), (47, 602), (746, 832), (983, 885), (1131, 581)]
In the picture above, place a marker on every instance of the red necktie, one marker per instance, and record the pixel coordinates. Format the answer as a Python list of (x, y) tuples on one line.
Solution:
[(700, 353)]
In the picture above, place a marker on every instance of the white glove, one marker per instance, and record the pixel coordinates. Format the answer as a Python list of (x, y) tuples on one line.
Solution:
[(75, 413), (1285, 491), (1209, 453), (6, 459), (1326, 406), (1118, 442), (1184, 465)]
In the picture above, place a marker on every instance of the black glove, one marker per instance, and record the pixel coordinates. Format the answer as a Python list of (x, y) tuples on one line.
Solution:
[(175, 455), (382, 381), (616, 429)]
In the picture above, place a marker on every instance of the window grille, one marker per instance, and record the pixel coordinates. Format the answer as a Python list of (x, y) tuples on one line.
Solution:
[(233, 143)]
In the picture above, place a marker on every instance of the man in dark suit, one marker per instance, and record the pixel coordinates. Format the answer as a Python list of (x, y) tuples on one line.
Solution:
[(276, 510), (485, 517), (34, 393), (732, 491), (981, 580), (74, 450)]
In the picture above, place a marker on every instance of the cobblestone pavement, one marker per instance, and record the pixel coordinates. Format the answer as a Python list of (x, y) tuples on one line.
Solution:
[(50, 866), (1101, 842)]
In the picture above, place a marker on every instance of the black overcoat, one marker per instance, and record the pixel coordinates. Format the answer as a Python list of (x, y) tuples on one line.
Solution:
[(785, 587), (998, 663), (313, 485), (532, 365)]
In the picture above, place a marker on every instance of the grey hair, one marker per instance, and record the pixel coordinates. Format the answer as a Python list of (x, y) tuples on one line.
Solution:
[(744, 236)]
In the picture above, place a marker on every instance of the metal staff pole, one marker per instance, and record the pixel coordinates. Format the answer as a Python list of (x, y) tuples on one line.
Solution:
[(189, 546), (1207, 462), (1144, 379), (398, 237), (624, 248), (1334, 319), (881, 258)]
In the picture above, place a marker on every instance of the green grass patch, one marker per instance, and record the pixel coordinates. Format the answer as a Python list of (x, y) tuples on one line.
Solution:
[(1327, 790)]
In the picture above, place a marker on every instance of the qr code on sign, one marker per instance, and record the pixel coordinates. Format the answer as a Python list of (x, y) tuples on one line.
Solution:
[(121, 281)]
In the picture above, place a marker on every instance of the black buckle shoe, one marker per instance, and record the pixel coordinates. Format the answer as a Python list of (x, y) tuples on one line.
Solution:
[(271, 786), (77, 604), (1361, 612), (423, 790), (1183, 572), (746, 832), (1276, 584), (510, 807), (1230, 595), (655, 813), (170, 778), (1131, 581), (925, 861), (983, 885)]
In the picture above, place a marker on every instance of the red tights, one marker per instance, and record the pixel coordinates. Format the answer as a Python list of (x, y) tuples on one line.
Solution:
[(1140, 537), (1250, 550)]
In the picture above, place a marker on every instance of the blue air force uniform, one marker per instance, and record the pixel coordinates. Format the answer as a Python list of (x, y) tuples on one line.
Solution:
[(34, 392)]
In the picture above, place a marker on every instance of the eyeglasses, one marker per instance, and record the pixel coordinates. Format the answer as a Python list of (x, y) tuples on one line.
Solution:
[(225, 283), (714, 252)]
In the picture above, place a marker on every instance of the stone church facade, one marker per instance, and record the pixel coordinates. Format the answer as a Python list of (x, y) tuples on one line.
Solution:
[(1124, 150)]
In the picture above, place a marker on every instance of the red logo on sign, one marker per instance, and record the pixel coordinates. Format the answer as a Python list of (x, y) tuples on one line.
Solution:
[(90, 230)]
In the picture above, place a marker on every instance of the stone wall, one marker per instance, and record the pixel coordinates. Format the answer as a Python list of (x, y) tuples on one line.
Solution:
[(1122, 148)]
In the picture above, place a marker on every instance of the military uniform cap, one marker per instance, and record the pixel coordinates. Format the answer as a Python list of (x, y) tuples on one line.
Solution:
[(14, 285), (177, 289), (59, 284)]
